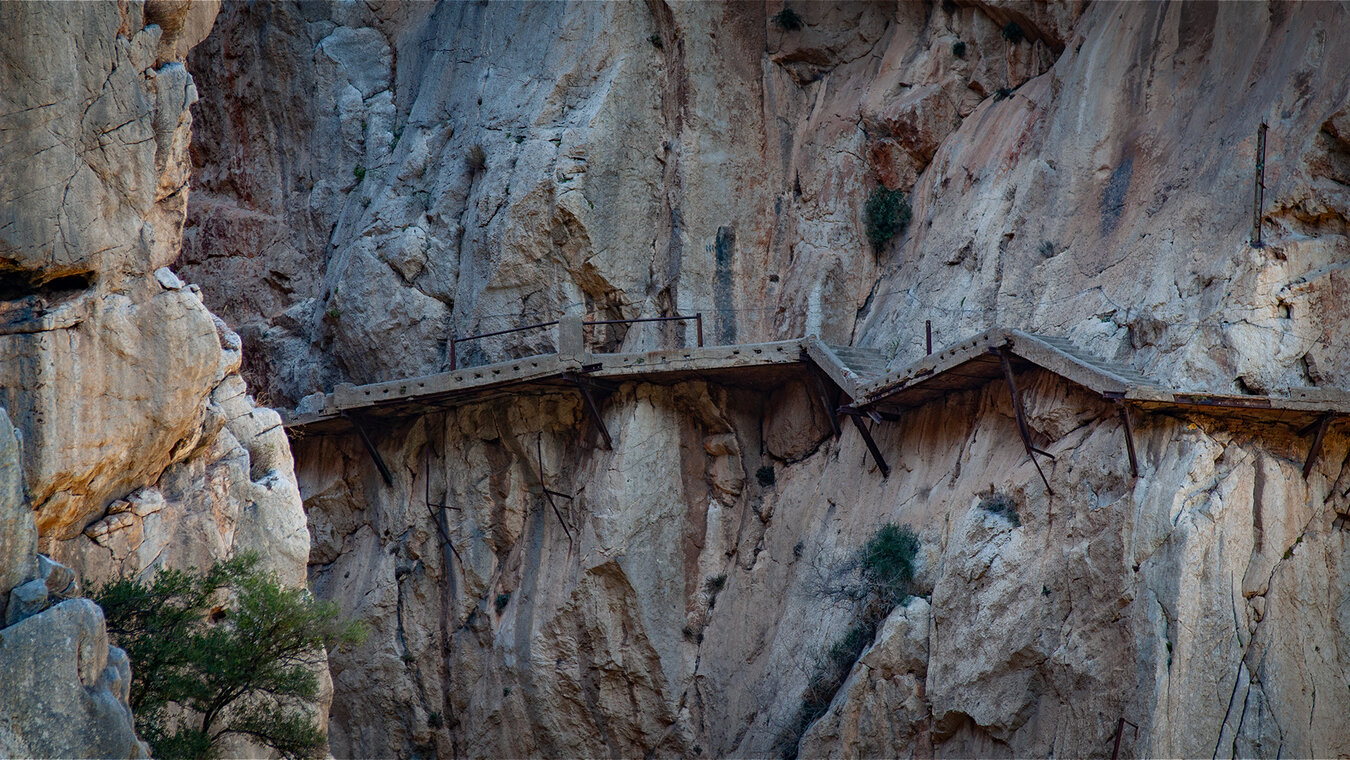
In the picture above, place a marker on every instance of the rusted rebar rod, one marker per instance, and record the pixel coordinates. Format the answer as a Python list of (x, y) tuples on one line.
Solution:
[(1260, 191)]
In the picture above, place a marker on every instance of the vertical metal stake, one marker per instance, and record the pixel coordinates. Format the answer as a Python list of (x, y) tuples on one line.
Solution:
[(928, 334), (1260, 193), (698, 321)]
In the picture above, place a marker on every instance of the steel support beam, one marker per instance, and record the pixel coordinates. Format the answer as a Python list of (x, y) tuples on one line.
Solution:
[(370, 449), (1129, 436), (1320, 428), (857, 415), (549, 493), (594, 408), (1022, 416), (1120, 732)]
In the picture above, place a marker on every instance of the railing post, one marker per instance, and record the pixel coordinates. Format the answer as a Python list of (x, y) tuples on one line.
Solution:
[(452, 353), (571, 341), (928, 334), (698, 322)]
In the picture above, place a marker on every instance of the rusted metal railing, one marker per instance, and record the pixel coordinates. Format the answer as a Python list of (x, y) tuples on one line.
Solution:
[(698, 321), (454, 341)]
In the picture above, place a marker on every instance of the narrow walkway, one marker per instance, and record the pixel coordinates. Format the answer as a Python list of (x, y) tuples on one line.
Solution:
[(865, 386)]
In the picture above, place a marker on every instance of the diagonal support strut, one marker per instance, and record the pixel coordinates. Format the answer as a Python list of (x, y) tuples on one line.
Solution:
[(591, 406), (1022, 416), (370, 449), (548, 493), (1129, 436), (1320, 426), (857, 416)]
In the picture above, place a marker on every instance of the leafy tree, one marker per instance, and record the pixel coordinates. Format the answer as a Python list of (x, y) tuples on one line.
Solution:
[(225, 651)]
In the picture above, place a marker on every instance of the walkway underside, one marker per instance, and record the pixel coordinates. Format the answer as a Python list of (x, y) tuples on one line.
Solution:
[(866, 386)]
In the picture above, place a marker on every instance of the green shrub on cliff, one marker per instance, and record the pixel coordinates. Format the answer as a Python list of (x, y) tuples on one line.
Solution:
[(787, 20), (232, 647), (879, 577), (886, 214)]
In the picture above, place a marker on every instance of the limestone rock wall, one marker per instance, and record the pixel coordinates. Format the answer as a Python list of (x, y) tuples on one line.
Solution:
[(369, 179), (125, 386), (141, 445), (65, 691)]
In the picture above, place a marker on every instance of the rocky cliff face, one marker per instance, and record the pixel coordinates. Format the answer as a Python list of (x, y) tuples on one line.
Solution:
[(124, 385), (369, 179), (65, 690), (141, 447)]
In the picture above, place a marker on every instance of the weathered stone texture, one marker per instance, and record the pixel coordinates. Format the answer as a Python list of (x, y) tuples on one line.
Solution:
[(65, 690), (18, 534), (141, 446), (392, 174)]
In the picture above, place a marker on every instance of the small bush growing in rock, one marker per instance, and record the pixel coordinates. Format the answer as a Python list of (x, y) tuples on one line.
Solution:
[(885, 567), (831, 670), (359, 172), (713, 586), (1002, 93), (501, 602), (1013, 33), (959, 49), (888, 564), (655, 39), (766, 476), (887, 214), (1001, 504), (787, 19)]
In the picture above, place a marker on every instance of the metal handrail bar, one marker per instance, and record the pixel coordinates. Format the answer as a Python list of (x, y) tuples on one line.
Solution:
[(455, 340), (698, 318)]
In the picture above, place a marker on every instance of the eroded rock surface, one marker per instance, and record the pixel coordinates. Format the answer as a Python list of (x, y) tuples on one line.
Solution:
[(394, 174), (65, 689), (142, 447)]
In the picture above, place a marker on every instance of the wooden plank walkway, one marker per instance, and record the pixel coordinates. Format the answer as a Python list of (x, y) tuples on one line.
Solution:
[(865, 385)]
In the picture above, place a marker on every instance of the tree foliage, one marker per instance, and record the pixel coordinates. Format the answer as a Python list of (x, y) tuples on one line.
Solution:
[(787, 19), (887, 214), (225, 651)]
